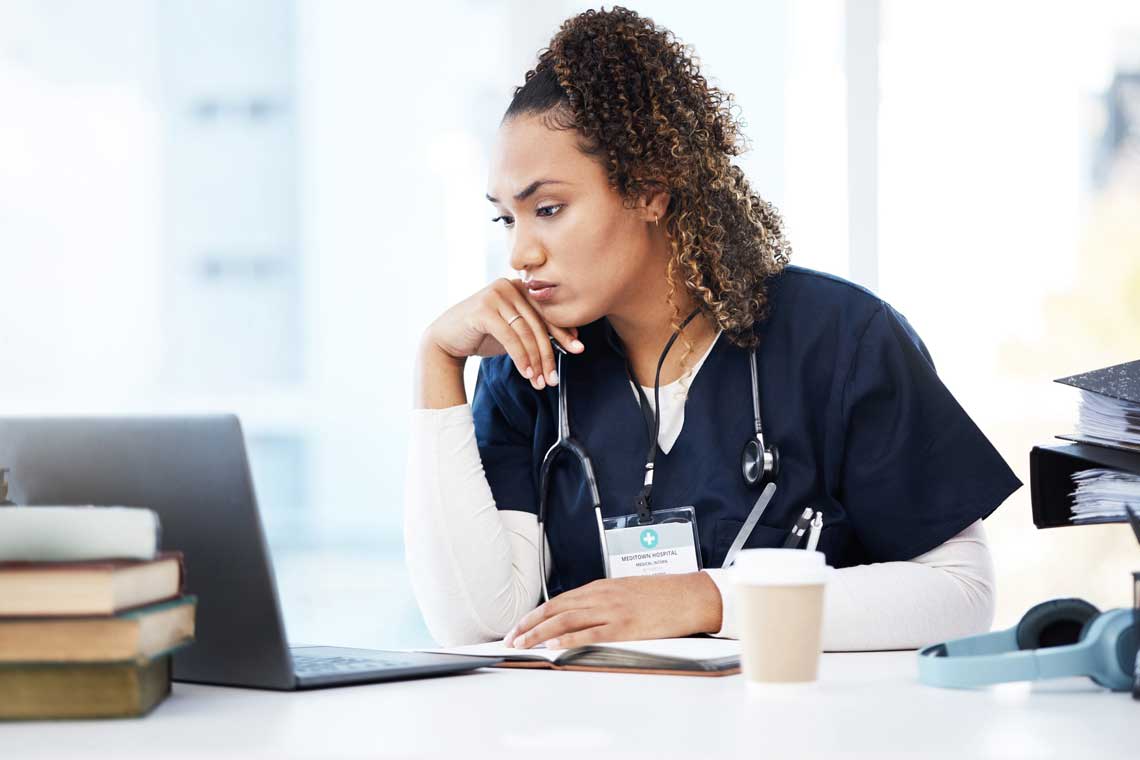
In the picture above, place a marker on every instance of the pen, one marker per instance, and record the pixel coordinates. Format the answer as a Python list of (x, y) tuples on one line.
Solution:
[(816, 527), (798, 530)]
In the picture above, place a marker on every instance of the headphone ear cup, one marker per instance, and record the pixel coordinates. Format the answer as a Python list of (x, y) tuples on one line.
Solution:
[(1086, 627), (1054, 623), (1116, 654)]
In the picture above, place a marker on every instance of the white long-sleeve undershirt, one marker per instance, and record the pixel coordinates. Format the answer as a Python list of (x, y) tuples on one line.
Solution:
[(474, 565)]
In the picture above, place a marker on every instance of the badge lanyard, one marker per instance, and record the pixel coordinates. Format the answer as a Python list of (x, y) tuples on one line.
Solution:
[(641, 500), (649, 541)]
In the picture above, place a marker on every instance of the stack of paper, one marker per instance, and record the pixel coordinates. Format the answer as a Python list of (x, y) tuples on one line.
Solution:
[(1110, 420), (1102, 494)]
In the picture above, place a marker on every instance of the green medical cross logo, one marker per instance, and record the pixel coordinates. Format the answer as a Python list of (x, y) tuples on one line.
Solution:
[(649, 538)]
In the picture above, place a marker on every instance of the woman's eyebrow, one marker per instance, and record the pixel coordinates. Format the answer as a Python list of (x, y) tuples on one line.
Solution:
[(529, 191)]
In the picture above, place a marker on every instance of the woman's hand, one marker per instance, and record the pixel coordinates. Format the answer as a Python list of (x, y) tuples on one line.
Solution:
[(623, 609), (485, 325)]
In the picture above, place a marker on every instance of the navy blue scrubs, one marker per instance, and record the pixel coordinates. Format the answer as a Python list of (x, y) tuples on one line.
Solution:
[(866, 430)]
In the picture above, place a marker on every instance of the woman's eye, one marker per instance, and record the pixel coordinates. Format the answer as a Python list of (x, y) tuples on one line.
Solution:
[(508, 221)]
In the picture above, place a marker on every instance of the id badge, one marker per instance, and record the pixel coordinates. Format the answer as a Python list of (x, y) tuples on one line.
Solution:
[(665, 544)]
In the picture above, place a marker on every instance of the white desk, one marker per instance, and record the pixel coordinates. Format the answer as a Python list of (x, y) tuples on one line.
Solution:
[(869, 704)]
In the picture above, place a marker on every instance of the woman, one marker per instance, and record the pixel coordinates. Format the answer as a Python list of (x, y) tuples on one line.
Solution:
[(627, 222)]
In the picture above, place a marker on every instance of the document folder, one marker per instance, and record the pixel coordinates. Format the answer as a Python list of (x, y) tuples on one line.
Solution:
[(1051, 471)]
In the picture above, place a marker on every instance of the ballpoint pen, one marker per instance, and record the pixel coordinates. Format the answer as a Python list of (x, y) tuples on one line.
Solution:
[(816, 527), (798, 530)]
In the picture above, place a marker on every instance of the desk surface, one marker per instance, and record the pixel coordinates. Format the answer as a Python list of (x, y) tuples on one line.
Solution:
[(868, 703)]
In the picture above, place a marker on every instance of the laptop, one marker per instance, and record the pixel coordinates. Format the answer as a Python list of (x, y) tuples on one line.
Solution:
[(194, 472)]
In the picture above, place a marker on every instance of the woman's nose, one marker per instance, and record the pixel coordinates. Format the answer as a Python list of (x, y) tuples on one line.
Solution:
[(526, 253)]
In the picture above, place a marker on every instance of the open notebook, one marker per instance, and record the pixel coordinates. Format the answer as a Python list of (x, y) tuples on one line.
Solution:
[(685, 657)]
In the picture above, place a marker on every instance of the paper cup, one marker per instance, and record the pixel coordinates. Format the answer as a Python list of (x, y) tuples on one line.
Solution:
[(779, 616)]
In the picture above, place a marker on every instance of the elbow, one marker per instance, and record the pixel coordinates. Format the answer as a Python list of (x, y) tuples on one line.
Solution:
[(445, 606), (449, 632), (445, 613)]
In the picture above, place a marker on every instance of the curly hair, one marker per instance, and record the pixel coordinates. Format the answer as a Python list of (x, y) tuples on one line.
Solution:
[(637, 97)]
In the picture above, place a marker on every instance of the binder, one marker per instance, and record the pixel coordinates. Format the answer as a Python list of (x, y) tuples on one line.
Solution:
[(1118, 390), (1051, 471)]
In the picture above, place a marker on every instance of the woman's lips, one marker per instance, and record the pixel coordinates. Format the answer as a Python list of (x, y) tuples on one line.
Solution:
[(543, 293)]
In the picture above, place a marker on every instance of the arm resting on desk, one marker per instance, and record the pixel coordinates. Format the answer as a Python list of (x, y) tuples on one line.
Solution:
[(943, 594)]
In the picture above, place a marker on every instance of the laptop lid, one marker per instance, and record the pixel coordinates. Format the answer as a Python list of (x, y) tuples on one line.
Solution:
[(192, 471)]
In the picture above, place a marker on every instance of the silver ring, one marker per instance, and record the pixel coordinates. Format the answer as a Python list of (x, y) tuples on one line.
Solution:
[(512, 319)]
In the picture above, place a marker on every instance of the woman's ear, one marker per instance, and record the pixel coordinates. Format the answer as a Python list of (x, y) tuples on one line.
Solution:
[(655, 204)]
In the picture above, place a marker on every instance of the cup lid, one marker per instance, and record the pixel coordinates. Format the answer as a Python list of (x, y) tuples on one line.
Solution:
[(780, 567)]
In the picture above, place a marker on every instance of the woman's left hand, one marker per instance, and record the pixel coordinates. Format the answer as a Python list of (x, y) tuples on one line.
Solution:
[(623, 609)]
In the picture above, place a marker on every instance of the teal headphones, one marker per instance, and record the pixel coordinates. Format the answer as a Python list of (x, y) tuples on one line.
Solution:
[(1057, 638)]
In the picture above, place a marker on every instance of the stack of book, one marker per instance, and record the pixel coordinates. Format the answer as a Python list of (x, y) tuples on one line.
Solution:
[(1096, 478), (90, 612)]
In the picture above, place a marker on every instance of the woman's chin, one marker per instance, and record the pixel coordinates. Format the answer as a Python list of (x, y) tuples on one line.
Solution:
[(562, 316)]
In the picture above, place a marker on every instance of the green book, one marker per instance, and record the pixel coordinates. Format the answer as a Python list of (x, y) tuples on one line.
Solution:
[(140, 634), (106, 690)]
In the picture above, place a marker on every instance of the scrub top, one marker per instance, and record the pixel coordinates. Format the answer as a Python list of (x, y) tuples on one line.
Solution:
[(848, 392)]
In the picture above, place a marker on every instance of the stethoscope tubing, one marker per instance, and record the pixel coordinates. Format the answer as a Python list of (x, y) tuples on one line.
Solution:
[(566, 442)]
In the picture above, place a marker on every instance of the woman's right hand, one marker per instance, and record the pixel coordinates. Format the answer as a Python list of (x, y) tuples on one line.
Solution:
[(478, 326)]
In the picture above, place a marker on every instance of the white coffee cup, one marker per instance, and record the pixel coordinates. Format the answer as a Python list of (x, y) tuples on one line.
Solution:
[(779, 616)]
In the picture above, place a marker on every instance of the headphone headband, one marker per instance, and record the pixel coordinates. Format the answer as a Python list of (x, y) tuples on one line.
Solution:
[(1106, 653)]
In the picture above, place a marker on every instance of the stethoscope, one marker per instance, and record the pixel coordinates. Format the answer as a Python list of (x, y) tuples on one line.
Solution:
[(760, 464)]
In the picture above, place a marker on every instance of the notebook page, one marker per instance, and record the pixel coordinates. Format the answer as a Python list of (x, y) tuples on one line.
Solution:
[(498, 649), (687, 648)]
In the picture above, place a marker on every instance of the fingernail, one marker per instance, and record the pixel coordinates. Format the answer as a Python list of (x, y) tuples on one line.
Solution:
[(517, 643), (552, 644), (529, 372), (541, 382), (509, 637), (577, 345), (554, 377)]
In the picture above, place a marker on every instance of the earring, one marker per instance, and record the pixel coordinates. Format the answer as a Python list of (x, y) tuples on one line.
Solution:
[(655, 224)]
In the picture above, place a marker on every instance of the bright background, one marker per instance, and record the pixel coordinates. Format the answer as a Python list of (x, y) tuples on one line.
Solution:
[(257, 207)]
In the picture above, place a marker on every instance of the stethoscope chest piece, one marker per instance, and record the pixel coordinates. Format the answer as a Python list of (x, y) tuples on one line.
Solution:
[(759, 465)]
